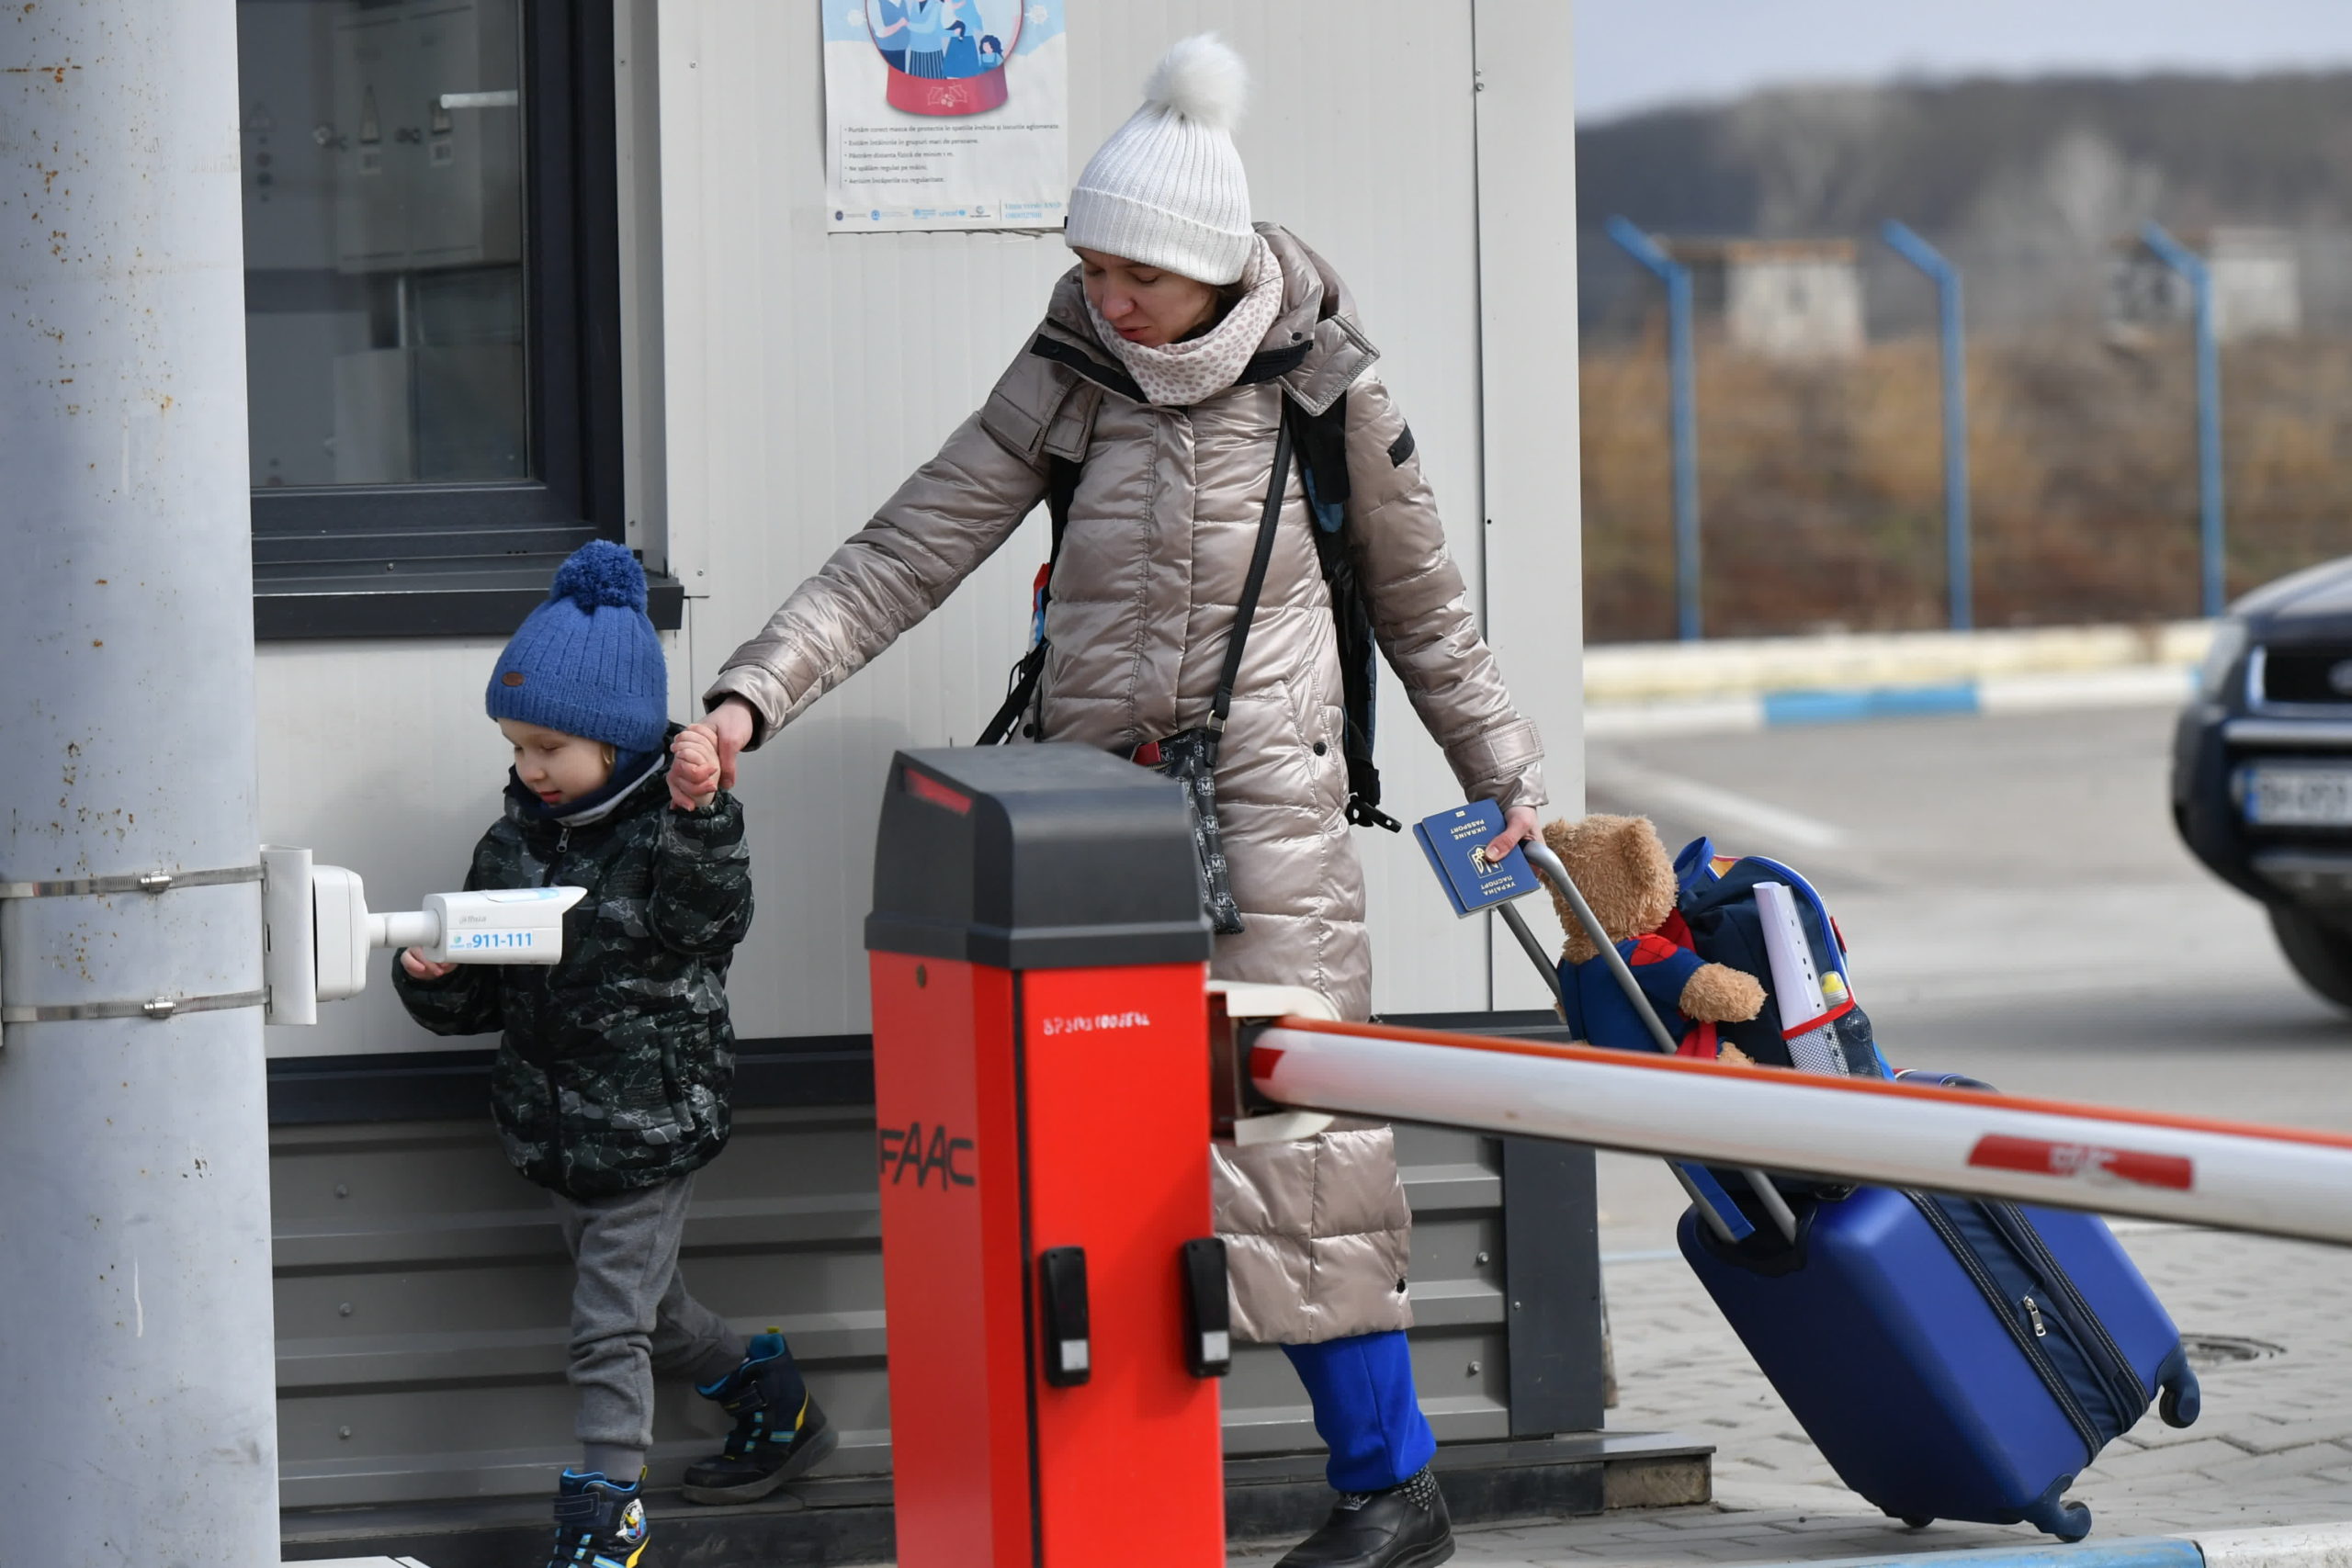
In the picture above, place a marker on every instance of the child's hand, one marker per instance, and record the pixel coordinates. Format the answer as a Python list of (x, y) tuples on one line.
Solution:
[(424, 968), (694, 768)]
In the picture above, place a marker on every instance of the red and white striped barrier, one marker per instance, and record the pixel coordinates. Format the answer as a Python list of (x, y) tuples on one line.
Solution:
[(2281, 1180)]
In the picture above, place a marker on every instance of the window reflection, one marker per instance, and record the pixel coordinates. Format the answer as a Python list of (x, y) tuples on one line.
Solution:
[(384, 280)]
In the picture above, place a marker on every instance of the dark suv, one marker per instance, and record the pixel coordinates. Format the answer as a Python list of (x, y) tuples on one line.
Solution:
[(2262, 766)]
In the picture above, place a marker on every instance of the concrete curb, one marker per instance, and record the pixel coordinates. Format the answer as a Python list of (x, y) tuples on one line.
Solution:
[(2137, 686), (2145, 1551), (2285, 1546), (1628, 673)]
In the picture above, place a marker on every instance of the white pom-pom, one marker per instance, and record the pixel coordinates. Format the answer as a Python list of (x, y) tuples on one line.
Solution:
[(1202, 79)]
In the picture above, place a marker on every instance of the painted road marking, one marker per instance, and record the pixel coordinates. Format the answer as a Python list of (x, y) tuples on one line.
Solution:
[(1722, 810)]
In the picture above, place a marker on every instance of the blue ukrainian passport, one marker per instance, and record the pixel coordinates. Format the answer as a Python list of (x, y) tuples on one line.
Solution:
[(1456, 843)]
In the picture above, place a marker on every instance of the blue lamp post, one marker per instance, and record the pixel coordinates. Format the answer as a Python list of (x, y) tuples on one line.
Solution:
[(1683, 406), (2191, 266), (1959, 572)]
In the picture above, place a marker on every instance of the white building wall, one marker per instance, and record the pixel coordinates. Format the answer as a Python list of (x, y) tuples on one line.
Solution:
[(1794, 309), (2257, 284), (2256, 281), (785, 382), (1530, 435)]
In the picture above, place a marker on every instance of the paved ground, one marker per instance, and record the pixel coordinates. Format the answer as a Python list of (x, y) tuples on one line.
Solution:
[(2018, 909), (2273, 1445)]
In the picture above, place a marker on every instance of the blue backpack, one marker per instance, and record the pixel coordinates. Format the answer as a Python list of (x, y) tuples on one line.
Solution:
[(1717, 900)]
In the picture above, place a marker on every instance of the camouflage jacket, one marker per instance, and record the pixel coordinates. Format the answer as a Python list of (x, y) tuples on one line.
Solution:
[(614, 1066)]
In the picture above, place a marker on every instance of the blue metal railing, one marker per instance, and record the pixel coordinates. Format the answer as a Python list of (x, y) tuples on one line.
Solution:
[(2191, 266), (1959, 570), (1682, 404), (1959, 556)]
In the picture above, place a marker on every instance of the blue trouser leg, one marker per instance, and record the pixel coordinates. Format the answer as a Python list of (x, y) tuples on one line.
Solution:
[(1365, 1411)]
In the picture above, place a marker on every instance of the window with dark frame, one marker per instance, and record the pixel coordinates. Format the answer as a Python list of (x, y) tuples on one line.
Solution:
[(432, 308)]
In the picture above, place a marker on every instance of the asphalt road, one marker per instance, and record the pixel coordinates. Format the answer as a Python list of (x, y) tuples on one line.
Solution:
[(2017, 907)]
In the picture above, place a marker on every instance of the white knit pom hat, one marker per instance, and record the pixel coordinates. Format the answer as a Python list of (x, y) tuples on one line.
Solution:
[(1168, 188)]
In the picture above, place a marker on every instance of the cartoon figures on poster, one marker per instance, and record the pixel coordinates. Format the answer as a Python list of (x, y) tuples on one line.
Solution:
[(945, 57)]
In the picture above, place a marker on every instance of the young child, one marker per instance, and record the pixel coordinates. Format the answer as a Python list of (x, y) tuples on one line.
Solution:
[(614, 1066)]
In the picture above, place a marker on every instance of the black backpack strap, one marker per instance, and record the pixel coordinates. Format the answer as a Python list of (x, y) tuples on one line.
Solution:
[(1359, 691), (1061, 489), (1020, 687), (1323, 448), (1246, 610), (1323, 451)]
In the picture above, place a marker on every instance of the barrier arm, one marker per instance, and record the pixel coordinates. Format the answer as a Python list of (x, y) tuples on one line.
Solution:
[(2277, 1180)]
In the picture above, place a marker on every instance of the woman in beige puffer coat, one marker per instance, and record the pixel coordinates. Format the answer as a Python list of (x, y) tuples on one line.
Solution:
[(1161, 529)]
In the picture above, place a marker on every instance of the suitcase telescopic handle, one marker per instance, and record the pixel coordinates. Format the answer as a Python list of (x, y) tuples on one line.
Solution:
[(1532, 948), (1540, 856)]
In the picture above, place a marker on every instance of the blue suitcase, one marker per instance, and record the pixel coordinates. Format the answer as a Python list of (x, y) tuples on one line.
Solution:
[(1952, 1358)]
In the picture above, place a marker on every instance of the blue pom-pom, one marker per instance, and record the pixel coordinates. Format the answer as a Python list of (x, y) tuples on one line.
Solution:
[(601, 572)]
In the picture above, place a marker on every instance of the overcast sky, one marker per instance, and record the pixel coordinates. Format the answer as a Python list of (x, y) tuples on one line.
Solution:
[(1633, 54)]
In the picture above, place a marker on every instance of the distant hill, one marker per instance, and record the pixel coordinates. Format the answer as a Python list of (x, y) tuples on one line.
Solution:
[(2046, 171)]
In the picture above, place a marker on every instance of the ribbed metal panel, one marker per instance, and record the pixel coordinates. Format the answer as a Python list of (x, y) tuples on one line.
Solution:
[(1454, 1182), (423, 1293)]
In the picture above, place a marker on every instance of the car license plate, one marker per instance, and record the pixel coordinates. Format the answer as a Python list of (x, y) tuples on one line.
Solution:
[(2276, 796)]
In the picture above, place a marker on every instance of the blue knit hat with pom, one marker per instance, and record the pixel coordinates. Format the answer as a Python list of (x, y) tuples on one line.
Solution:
[(588, 662)]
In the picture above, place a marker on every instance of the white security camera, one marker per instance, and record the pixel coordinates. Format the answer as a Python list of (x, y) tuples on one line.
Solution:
[(320, 930)]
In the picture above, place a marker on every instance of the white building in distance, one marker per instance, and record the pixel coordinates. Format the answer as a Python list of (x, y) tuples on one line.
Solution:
[(1781, 298), (2257, 285)]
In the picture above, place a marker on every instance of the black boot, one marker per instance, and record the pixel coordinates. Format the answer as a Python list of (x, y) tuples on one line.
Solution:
[(780, 1433), (597, 1524), (1405, 1527)]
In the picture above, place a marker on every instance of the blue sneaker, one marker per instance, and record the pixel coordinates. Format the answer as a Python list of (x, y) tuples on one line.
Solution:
[(780, 1431), (597, 1523)]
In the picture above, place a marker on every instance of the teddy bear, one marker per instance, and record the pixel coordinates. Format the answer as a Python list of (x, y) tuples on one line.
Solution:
[(1626, 875)]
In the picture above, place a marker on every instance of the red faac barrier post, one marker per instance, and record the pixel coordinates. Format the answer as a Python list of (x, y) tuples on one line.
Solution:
[(1057, 1311)]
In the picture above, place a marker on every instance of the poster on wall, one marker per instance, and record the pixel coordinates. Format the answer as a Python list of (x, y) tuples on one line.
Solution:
[(946, 114)]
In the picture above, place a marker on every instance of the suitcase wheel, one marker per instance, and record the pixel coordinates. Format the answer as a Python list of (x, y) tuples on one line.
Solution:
[(2053, 1514), (2181, 1401), (1918, 1521)]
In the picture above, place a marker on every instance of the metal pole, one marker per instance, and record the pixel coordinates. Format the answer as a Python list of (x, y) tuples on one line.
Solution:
[(1683, 417), (1532, 948), (136, 1367), (2212, 570), (1959, 569), (1686, 456)]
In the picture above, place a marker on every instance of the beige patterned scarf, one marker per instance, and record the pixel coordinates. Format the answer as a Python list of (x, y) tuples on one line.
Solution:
[(1180, 374)]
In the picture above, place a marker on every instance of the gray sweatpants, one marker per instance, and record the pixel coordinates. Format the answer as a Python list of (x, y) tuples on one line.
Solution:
[(631, 1317)]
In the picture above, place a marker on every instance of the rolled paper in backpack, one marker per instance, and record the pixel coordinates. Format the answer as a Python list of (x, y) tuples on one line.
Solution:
[(1796, 984)]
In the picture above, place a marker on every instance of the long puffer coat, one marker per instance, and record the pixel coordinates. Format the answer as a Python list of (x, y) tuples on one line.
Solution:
[(1161, 529)]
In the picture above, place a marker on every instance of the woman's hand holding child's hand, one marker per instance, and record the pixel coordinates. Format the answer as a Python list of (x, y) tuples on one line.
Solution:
[(694, 768), (731, 721), (422, 969)]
